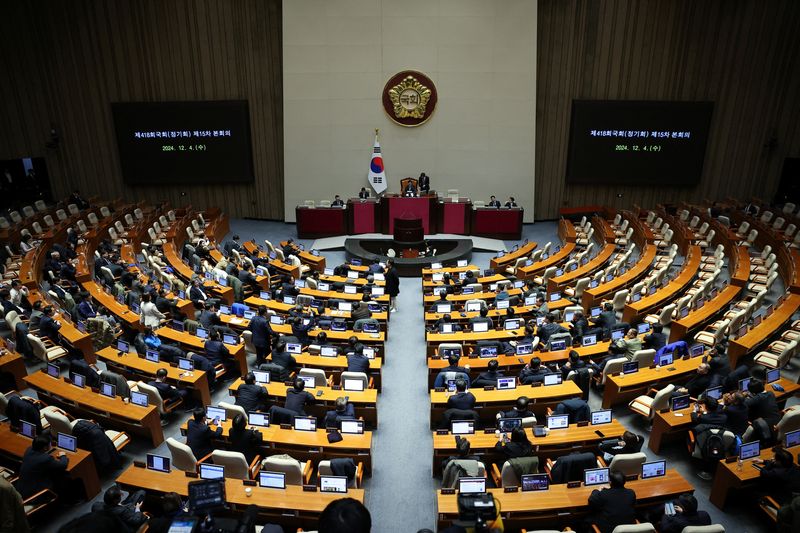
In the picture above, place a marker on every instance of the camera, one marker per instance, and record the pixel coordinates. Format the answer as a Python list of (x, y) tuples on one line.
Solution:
[(477, 511)]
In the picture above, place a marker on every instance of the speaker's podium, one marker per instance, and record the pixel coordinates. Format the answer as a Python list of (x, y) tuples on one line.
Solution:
[(409, 236)]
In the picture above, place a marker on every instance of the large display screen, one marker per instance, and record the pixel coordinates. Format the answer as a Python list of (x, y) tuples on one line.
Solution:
[(636, 142), (184, 143)]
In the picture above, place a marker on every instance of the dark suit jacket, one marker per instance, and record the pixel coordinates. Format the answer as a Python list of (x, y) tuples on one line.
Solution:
[(357, 363), (217, 352), (196, 293), (39, 471), (461, 400), (737, 418), (332, 418), (251, 397), (612, 507), (606, 320), (780, 482), (167, 391), (261, 331), (487, 379), (764, 406), (86, 309), (126, 513), (297, 400), (48, 328), (247, 442), (655, 341), (392, 282), (198, 438), (678, 521), (284, 359)]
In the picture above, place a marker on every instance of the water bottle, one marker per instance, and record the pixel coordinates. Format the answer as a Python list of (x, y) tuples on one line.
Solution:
[(739, 464)]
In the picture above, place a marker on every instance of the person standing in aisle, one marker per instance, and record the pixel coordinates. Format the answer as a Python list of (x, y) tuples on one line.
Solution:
[(392, 285)]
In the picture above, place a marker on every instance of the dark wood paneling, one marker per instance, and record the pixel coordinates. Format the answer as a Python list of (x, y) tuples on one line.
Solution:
[(743, 55), (63, 63)]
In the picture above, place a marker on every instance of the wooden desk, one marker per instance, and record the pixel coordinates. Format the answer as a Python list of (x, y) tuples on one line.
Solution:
[(13, 364), (109, 412), (334, 366), (196, 344), (592, 297), (673, 424), (289, 506), (542, 508), (488, 403), (365, 401), (463, 317), (696, 319), (555, 444), (728, 476), (748, 343), (132, 366), (316, 262), (599, 261), (428, 272), (305, 445), (510, 258), (80, 467), (283, 309), (339, 295), (622, 388)]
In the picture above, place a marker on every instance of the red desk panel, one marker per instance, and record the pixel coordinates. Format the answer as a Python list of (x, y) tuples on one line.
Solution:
[(454, 216), (400, 207), (363, 216), (314, 222), (497, 223)]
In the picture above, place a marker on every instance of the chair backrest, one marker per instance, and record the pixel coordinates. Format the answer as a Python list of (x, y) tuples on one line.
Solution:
[(645, 527), (58, 421), (694, 222), (171, 215), (613, 366), (324, 203), (112, 233), (3, 404), (361, 376), (790, 421), (751, 237), (766, 216), (620, 297), (73, 209), (15, 216), (788, 207), (478, 203), (743, 227), (82, 226), (713, 528), (628, 463), (182, 456), (235, 464), (61, 214), (548, 273), (39, 349), (231, 410), (289, 466), (153, 396), (317, 373), (41, 206), (92, 218), (121, 384), (661, 399), (28, 211), (128, 219), (645, 357)]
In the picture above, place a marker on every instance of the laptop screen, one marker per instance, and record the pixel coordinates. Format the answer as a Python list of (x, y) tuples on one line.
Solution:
[(630, 367), (595, 476), (202, 333), (507, 425), (310, 381), (532, 482), (444, 308), (446, 328), (512, 324), (557, 421), (602, 416), (345, 306), (524, 349), (556, 296), (506, 383), (336, 484), (159, 463), (272, 480), (305, 423), (665, 359), (462, 427), (224, 310), (488, 351), (472, 485), (258, 419), (369, 352), (177, 325), (680, 402), (230, 339), (289, 300), (595, 312), (213, 413), (79, 380), (644, 327), (327, 351), (750, 450), (276, 319), (552, 379), (123, 346), (139, 398), (108, 389), (27, 429), (589, 340), (744, 384), (617, 334), (773, 375), (793, 438), (209, 471), (353, 427), (353, 385), (654, 469), (480, 327), (713, 392), (185, 364), (473, 307), (261, 376), (697, 350), (350, 289), (502, 304), (151, 356), (265, 295), (556, 346), (52, 370), (293, 347)]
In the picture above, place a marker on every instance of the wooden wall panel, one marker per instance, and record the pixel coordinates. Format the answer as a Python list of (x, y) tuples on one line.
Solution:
[(743, 55), (63, 63)]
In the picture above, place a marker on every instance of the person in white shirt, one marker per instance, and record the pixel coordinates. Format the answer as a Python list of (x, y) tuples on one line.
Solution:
[(18, 291), (149, 314)]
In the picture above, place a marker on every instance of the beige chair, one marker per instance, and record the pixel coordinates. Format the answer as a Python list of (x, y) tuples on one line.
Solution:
[(548, 273), (712, 338), (645, 357), (577, 292), (297, 473), (41, 206), (359, 376), (771, 359), (451, 346), (154, 398), (628, 464), (790, 421), (324, 469), (613, 366), (648, 406), (507, 477), (620, 298), (320, 380), (182, 456), (60, 422), (235, 464), (713, 528), (646, 527), (664, 317), (231, 410), (48, 354)]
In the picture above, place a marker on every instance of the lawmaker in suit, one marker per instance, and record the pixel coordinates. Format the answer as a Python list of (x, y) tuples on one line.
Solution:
[(297, 398), (217, 352), (613, 506), (243, 440), (344, 411), (686, 514), (199, 435), (167, 391), (39, 469), (357, 361), (337, 202), (363, 193), (461, 399), (196, 293), (262, 334), (493, 202), (85, 309), (250, 395), (424, 183), (410, 189), (511, 202), (48, 326)]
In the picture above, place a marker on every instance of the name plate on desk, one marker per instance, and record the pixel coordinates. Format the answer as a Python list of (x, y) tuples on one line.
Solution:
[(249, 483), (511, 489), (583, 424), (632, 477), (190, 474), (442, 432), (309, 488), (139, 464), (573, 484), (448, 491)]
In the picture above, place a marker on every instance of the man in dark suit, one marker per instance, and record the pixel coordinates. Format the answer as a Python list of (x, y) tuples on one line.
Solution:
[(761, 403), (48, 326), (199, 435), (392, 285), (579, 325), (233, 244), (207, 316), (297, 398), (39, 469), (614, 506), (410, 190), (344, 411), (363, 193), (243, 440), (550, 327), (262, 334), (461, 399), (246, 276), (337, 202), (129, 511), (606, 319), (217, 352), (85, 309), (698, 383), (250, 395), (511, 202), (357, 361), (656, 340), (708, 415), (493, 202), (686, 514), (781, 476), (283, 358), (424, 183), (452, 366), (483, 318), (488, 378), (196, 293), (167, 391), (520, 409), (533, 372)]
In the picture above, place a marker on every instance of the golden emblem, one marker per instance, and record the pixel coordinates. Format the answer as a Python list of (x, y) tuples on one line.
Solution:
[(409, 98)]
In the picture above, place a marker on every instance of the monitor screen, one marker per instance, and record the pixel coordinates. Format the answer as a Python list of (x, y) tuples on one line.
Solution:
[(568, 316), (617, 334), (276, 319), (79, 380), (488, 351), (123, 346), (744, 384), (472, 485), (27, 429), (294, 347), (750, 450), (369, 352), (310, 381), (139, 398), (206, 495), (378, 291), (473, 307), (224, 309), (333, 484), (773, 375), (680, 402), (338, 325), (507, 425), (345, 306), (446, 328), (713, 392), (595, 476), (353, 385), (67, 442), (557, 421), (684, 312), (532, 482), (108, 389), (524, 349), (230, 339), (635, 297), (272, 480), (665, 359), (480, 327), (630, 367), (53, 370), (512, 324), (353, 427), (506, 383), (213, 413), (209, 471), (177, 325), (502, 304), (352, 274), (327, 351), (305, 423), (185, 364), (289, 300), (201, 333), (370, 327), (644, 327), (444, 308), (602, 416), (462, 427), (589, 340), (697, 350), (468, 290), (556, 296), (447, 352), (151, 356), (654, 469), (559, 345), (552, 379), (261, 376), (159, 463), (350, 289), (258, 419), (793, 438), (595, 312)]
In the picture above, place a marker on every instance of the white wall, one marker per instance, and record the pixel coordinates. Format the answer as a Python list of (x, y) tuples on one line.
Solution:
[(480, 54)]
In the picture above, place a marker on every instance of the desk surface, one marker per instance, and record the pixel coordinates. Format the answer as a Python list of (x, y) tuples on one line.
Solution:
[(568, 389), (329, 395), (511, 257)]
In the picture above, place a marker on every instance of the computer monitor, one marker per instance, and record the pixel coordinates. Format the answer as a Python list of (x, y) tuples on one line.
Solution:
[(512, 324), (744, 384), (261, 376), (552, 379), (139, 398), (630, 367), (258, 419), (350, 289), (444, 308), (338, 325), (589, 340), (206, 495), (472, 485), (230, 339), (305, 423), (123, 346), (213, 413), (472, 307), (595, 476), (559, 272), (773, 375), (27, 429), (568, 316), (336, 484), (159, 463), (506, 383), (654, 469), (201, 333), (66, 442), (793, 438), (534, 482), (488, 351), (328, 271), (684, 311), (53, 370), (378, 291), (451, 385), (461, 263), (108, 389), (636, 296), (152, 356), (185, 364), (300, 284), (680, 402), (288, 300), (135, 307), (468, 290), (328, 351), (352, 427), (697, 350), (352, 274), (480, 327), (324, 287), (369, 352), (345, 306), (518, 284), (310, 381), (602, 416), (79, 380), (617, 334), (644, 327), (177, 325), (530, 301), (713, 392), (750, 450), (272, 480), (593, 284), (462, 427), (595, 312), (502, 304), (356, 385), (524, 348), (609, 277), (446, 328), (224, 310), (556, 296), (294, 347), (209, 471), (447, 352), (557, 421), (370, 327), (506, 425)]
